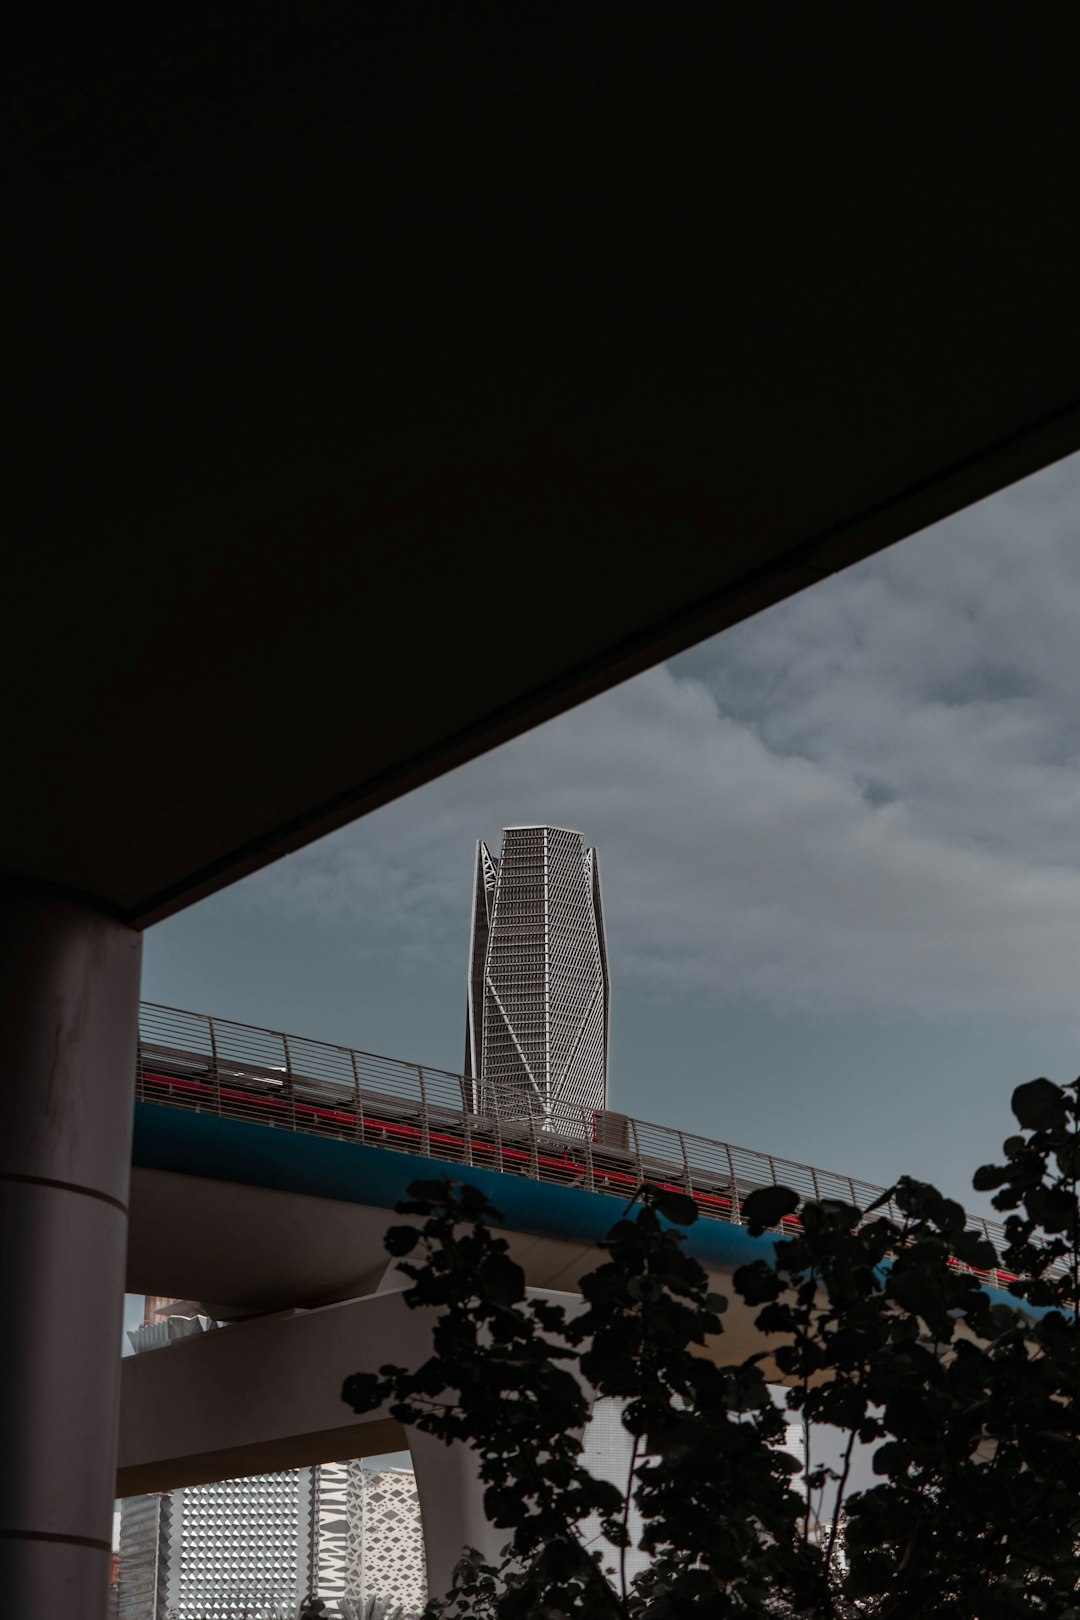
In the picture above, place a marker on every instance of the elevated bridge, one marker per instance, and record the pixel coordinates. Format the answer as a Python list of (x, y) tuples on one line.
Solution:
[(266, 1169), (264, 1165)]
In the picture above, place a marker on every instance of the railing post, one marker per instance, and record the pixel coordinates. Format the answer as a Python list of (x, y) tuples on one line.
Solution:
[(590, 1181), (497, 1117), (687, 1178), (985, 1224), (289, 1081), (358, 1097), (425, 1124), (467, 1134), (814, 1183), (639, 1167), (735, 1212), (534, 1156), (215, 1075)]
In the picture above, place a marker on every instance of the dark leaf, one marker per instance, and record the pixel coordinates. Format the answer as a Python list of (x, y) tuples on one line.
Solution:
[(676, 1207), (429, 1192), (1037, 1103), (504, 1280), (767, 1207), (401, 1240), (756, 1282), (916, 1290), (1055, 1208), (363, 1392)]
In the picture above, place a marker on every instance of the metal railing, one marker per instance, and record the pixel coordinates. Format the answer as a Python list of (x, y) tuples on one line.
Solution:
[(237, 1071)]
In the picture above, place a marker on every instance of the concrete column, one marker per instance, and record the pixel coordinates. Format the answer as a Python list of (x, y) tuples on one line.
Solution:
[(69, 988), (451, 1507), (451, 1491), (452, 1494)]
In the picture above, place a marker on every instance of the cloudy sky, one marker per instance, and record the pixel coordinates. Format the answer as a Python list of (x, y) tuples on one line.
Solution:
[(839, 853)]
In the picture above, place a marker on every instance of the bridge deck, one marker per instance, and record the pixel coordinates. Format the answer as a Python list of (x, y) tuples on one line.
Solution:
[(242, 1076)]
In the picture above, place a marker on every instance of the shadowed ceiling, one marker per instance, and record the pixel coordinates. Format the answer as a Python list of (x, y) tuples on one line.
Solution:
[(387, 378)]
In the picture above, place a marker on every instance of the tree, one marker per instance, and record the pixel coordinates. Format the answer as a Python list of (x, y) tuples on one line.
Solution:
[(877, 1324)]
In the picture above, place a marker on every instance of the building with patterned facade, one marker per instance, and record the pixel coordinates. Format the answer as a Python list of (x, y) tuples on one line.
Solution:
[(368, 1543), (255, 1547), (538, 1005)]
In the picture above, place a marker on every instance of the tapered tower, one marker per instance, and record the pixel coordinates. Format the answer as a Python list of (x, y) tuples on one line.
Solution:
[(538, 1011)]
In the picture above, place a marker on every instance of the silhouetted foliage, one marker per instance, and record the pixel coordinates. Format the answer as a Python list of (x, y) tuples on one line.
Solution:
[(970, 1401)]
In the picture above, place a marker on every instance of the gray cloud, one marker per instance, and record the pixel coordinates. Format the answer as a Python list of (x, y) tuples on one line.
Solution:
[(866, 798)]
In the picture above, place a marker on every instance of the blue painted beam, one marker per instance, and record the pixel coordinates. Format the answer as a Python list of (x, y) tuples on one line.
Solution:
[(256, 1155)]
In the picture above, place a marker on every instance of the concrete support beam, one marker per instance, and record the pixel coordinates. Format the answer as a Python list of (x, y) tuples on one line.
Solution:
[(262, 1394), (266, 1394), (69, 987)]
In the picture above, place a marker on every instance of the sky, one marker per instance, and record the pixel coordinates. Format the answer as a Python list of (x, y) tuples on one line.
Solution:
[(838, 852)]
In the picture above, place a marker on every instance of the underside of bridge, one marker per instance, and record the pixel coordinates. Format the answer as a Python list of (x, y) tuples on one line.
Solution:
[(242, 1219), (389, 378), (386, 379)]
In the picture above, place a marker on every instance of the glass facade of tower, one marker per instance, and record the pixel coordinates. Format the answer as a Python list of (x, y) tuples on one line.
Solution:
[(538, 995)]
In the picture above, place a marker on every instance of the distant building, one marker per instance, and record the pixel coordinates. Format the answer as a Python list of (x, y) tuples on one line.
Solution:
[(254, 1547), (537, 1021), (139, 1585), (795, 1444), (231, 1548), (368, 1543)]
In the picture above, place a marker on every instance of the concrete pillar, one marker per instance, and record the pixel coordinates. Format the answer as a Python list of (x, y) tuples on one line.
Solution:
[(451, 1491), (452, 1494), (451, 1507), (69, 988)]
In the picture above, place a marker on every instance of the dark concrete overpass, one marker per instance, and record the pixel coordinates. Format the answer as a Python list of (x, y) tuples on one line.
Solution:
[(331, 329)]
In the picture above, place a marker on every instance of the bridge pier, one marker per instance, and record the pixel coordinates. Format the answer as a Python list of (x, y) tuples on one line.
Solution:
[(451, 1496), (451, 1491), (69, 985)]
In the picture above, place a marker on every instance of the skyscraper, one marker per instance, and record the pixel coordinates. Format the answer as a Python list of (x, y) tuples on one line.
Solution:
[(538, 1011)]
